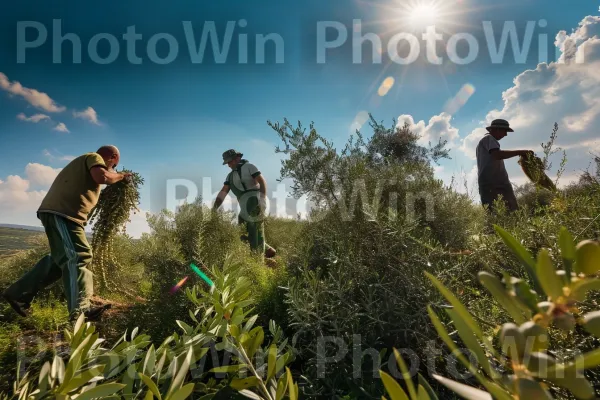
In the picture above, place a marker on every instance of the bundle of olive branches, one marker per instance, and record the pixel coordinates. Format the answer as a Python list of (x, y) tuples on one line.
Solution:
[(109, 218), (533, 167)]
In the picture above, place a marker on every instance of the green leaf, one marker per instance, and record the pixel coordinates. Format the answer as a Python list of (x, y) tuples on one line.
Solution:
[(498, 291), (293, 388), (256, 342), (464, 391), (405, 374), (183, 393), (496, 390), (471, 342), (392, 387), (422, 393), (462, 311), (151, 386), (228, 368), (522, 255), (58, 369), (250, 395), (546, 273), (185, 327), (149, 395), (282, 386), (425, 384), (272, 361), (567, 251), (525, 296), (241, 384), (82, 379), (580, 288), (101, 391), (587, 257), (591, 323), (180, 377)]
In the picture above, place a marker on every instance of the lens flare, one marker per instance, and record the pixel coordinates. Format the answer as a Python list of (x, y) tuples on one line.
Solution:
[(201, 274), (461, 98), (179, 285), (386, 85)]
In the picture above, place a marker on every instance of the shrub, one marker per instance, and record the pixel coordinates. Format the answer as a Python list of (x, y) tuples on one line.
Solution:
[(526, 367)]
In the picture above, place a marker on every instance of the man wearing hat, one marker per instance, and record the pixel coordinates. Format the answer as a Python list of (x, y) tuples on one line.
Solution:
[(250, 189), (492, 176)]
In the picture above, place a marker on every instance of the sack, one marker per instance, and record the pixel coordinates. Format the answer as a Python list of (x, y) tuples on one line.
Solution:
[(533, 167)]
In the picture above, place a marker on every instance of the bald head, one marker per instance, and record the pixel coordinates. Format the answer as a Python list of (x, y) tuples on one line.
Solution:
[(110, 154)]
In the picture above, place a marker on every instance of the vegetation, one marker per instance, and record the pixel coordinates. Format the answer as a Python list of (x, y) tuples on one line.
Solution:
[(369, 297)]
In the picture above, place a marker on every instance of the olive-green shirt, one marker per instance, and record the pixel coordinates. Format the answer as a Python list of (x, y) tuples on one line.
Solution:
[(74, 193)]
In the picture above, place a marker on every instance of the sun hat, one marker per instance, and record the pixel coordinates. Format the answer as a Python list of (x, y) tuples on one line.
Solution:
[(500, 124), (230, 155)]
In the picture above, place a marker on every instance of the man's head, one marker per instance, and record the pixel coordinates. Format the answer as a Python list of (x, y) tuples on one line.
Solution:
[(232, 158), (111, 156), (499, 129)]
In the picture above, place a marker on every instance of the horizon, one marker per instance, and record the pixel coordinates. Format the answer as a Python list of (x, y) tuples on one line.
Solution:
[(173, 102)]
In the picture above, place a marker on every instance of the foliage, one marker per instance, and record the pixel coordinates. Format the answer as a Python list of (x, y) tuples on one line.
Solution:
[(109, 217), (134, 368), (357, 264), (550, 299)]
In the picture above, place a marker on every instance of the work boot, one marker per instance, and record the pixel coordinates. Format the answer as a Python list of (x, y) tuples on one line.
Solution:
[(93, 314), (20, 308), (270, 252)]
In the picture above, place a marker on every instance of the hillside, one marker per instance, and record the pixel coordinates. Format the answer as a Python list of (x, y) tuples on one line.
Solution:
[(13, 240)]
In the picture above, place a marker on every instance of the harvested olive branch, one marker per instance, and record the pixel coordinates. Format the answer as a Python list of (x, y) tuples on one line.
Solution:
[(111, 215)]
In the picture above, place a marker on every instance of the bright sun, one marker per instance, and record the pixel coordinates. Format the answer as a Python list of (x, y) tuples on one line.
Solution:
[(423, 15)]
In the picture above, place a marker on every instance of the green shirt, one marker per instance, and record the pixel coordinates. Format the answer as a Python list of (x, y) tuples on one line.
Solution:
[(74, 193)]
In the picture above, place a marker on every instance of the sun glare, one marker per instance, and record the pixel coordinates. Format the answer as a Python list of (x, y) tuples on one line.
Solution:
[(423, 15)]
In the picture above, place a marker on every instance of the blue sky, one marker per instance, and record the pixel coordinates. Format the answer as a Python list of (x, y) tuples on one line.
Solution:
[(174, 121)]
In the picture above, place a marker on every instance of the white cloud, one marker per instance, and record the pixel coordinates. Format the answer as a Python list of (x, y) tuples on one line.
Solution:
[(61, 127), (41, 175), (438, 127), (17, 202), (35, 98), (34, 118), (564, 92), (52, 157), (88, 114)]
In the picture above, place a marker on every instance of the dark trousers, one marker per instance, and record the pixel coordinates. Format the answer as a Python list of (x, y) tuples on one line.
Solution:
[(490, 193), (70, 257)]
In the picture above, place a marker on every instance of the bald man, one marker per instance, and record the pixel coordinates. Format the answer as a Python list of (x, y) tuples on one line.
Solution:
[(64, 213)]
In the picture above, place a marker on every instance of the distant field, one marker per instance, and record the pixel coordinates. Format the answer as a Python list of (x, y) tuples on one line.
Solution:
[(14, 240)]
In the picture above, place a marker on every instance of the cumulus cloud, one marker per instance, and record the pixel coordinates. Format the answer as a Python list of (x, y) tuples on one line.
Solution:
[(39, 174), (89, 114), (570, 44), (35, 98), (438, 127), (61, 127), (16, 197), (34, 118), (567, 93)]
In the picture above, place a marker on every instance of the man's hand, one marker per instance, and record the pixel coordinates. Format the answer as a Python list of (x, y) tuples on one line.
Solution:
[(103, 176), (527, 153)]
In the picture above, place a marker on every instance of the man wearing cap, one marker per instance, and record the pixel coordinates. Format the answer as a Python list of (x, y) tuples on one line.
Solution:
[(250, 189), (492, 176)]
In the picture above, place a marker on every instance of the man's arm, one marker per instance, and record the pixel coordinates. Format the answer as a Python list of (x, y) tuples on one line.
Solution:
[(498, 154), (263, 185), (221, 197), (259, 179), (102, 176)]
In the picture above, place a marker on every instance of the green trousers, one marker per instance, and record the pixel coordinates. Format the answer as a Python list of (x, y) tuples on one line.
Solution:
[(69, 258), (253, 221)]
